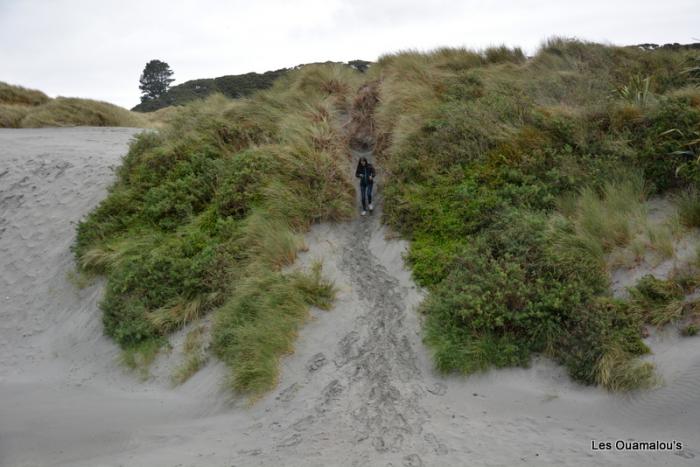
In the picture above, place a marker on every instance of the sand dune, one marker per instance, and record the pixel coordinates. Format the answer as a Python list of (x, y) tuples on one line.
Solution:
[(359, 389)]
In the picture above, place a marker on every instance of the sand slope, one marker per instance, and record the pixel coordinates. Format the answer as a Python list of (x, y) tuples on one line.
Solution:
[(359, 390)]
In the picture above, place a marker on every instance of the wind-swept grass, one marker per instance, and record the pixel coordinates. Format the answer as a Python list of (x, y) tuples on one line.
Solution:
[(17, 95), (29, 108), (194, 353), (259, 324), (688, 202), (206, 213)]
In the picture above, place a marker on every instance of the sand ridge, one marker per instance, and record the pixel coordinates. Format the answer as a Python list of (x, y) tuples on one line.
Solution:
[(358, 390)]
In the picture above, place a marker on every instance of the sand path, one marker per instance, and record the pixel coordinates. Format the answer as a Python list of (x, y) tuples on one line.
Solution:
[(359, 389)]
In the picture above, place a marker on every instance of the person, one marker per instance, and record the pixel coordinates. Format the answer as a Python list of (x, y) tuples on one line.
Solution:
[(365, 172)]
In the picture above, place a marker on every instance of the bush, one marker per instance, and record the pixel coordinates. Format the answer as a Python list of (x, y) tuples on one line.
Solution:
[(206, 212), (479, 160)]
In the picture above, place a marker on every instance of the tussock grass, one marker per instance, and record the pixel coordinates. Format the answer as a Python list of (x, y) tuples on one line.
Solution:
[(259, 324), (618, 371), (195, 355), (598, 221), (688, 202)]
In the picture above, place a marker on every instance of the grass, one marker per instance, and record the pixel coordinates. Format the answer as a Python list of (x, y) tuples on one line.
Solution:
[(618, 371), (514, 180), (138, 357), (259, 324), (688, 202), (517, 180), (17, 95), (195, 355), (28, 108), (206, 214)]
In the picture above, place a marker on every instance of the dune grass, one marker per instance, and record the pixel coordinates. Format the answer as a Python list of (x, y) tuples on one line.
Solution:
[(515, 180), (688, 202), (194, 353), (28, 108), (17, 95), (207, 213)]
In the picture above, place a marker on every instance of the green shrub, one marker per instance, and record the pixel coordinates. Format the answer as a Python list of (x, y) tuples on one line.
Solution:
[(205, 213), (479, 160)]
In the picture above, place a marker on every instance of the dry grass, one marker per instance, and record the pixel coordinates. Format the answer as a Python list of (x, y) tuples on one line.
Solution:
[(619, 371), (17, 95)]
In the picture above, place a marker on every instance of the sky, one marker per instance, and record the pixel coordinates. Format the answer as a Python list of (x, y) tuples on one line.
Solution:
[(97, 49)]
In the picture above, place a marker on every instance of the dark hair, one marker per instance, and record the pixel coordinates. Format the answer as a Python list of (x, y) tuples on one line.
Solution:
[(363, 159)]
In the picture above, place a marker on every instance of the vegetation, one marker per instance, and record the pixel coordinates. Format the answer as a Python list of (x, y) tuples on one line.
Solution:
[(233, 86), (155, 80), (516, 179), (195, 355), (27, 108), (205, 215)]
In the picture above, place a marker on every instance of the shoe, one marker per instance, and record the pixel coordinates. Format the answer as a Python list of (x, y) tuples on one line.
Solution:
[(364, 213), (371, 208)]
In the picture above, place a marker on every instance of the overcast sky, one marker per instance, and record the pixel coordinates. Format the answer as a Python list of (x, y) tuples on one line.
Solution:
[(97, 49)]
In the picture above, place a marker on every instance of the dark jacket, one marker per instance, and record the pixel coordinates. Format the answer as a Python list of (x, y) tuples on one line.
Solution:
[(364, 173)]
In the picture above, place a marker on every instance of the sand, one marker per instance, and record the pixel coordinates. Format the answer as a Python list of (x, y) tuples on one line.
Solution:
[(359, 389)]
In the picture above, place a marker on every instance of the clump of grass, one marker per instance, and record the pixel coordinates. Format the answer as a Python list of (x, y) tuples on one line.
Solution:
[(139, 357), (259, 324), (657, 301), (618, 371), (688, 202), (599, 221), (504, 54), (195, 355)]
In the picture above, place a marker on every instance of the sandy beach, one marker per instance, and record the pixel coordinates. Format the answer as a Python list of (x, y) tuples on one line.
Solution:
[(359, 389)]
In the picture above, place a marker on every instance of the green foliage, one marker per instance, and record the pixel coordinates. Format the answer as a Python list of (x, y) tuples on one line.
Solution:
[(206, 212), (514, 180), (657, 301), (155, 80), (231, 86), (260, 322)]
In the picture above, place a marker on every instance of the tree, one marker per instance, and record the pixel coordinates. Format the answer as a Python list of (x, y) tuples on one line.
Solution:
[(360, 65), (155, 80)]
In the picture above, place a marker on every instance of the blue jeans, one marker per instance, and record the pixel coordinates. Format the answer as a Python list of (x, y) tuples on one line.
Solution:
[(366, 195)]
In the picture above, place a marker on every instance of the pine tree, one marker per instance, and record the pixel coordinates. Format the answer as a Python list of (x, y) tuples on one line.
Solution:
[(155, 80)]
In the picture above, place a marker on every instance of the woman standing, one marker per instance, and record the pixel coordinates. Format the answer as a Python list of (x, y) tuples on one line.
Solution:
[(365, 172)]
